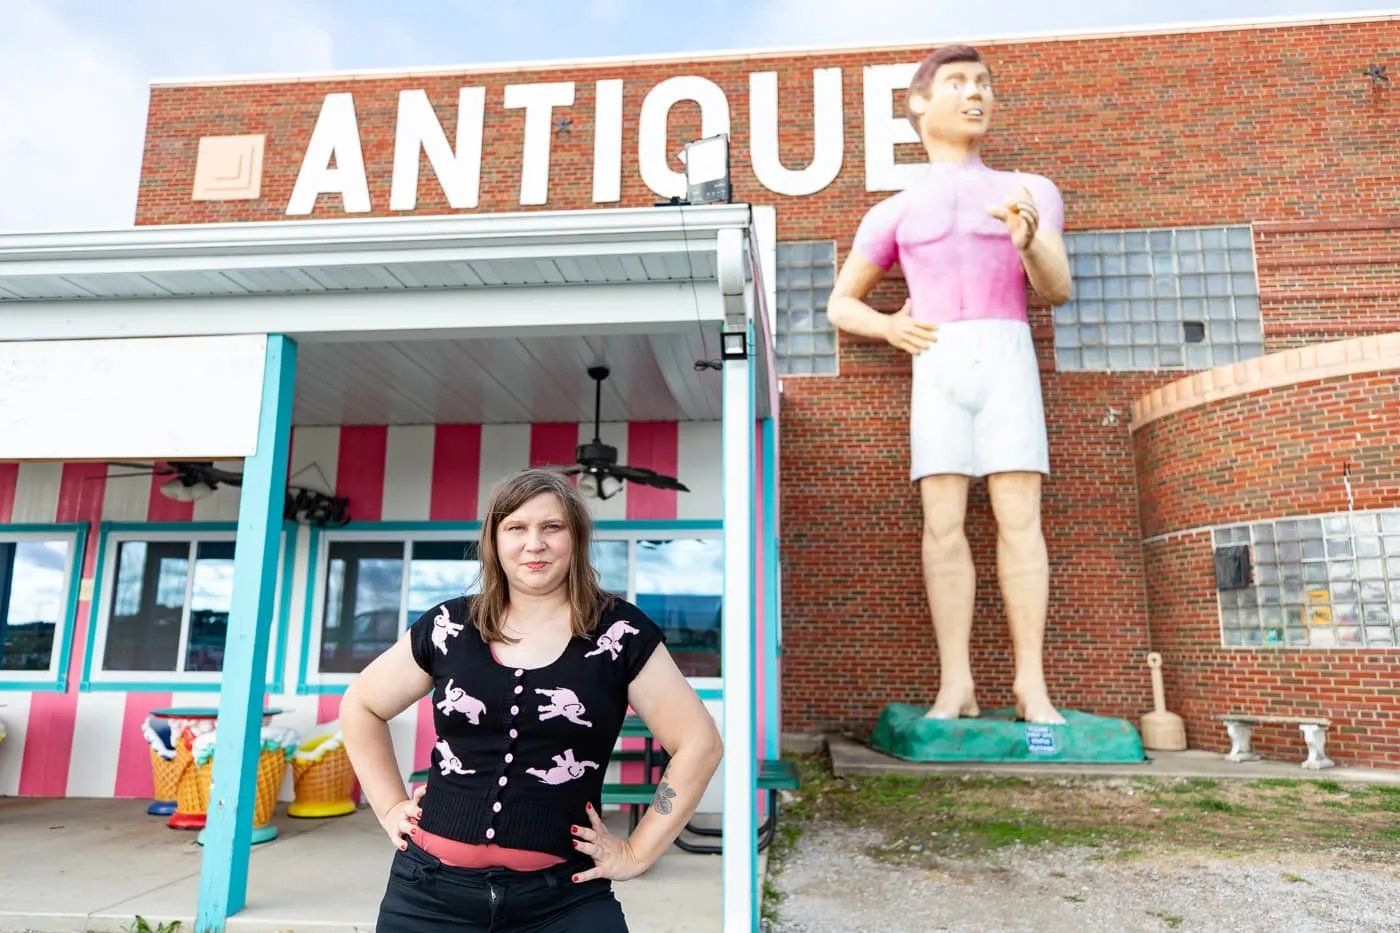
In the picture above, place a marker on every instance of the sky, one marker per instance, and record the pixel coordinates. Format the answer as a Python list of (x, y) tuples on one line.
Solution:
[(74, 74)]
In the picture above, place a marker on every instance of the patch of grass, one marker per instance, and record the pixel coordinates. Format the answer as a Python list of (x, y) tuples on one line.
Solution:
[(1276, 782), (142, 925), (1294, 879), (1074, 898), (1171, 920), (1331, 787), (924, 821), (1216, 805)]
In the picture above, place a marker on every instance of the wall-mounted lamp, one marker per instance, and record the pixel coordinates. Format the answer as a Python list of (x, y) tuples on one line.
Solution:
[(734, 345)]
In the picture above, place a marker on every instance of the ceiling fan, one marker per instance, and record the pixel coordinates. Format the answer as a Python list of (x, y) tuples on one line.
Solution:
[(192, 480), (599, 474)]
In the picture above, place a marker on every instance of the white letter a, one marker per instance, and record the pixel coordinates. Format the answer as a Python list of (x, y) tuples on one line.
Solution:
[(336, 135)]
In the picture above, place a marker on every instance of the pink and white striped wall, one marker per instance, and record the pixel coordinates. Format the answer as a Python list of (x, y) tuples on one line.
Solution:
[(89, 744)]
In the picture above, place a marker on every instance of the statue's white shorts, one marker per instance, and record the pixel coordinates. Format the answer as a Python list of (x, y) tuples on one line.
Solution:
[(976, 407)]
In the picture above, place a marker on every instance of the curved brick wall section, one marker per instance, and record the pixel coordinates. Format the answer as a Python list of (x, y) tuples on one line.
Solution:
[(1271, 437), (1261, 440), (1354, 688)]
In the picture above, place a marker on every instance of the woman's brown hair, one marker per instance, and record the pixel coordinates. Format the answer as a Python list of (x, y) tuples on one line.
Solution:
[(587, 599)]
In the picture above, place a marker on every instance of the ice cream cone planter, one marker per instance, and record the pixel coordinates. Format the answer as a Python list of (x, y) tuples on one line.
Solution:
[(279, 744), (191, 786), (322, 775), (164, 769)]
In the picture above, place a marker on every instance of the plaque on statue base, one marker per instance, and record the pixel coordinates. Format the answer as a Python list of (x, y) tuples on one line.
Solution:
[(998, 736)]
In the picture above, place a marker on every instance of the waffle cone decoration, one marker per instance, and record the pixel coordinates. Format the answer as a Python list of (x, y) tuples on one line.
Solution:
[(278, 745), (164, 770), (191, 787), (322, 776)]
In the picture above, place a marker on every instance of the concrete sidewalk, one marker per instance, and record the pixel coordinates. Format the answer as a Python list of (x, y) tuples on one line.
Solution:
[(95, 864)]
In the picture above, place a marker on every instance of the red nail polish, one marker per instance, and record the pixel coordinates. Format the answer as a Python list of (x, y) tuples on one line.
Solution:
[(575, 842), (576, 877), (573, 829)]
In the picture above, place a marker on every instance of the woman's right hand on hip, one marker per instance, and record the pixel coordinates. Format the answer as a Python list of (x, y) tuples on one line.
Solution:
[(401, 819)]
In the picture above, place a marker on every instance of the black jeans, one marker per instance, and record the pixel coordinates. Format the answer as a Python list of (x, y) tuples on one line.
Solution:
[(426, 896)]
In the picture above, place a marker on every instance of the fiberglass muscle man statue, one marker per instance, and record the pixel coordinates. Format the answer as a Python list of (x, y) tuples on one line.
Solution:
[(967, 238)]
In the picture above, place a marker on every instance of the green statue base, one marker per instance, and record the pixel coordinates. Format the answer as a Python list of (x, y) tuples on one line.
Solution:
[(998, 736)]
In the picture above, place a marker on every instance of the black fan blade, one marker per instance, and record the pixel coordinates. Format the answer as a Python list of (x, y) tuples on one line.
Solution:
[(646, 477), (149, 468), (570, 469), (222, 476)]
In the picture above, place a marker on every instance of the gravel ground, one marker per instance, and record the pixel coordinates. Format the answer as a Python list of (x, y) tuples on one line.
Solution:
[(831, 886)]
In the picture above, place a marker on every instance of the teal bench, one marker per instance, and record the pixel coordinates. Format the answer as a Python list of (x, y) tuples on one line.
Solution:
[(774, 776)]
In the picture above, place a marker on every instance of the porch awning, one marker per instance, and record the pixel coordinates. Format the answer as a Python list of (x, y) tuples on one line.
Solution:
[(652, 271), (537, 248)]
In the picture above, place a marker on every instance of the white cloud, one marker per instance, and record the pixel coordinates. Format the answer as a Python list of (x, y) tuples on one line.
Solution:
[(72, 107), (610, 12), (73, 94), (885, 22)]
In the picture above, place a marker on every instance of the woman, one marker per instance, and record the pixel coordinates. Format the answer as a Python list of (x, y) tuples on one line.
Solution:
[(531, 679)]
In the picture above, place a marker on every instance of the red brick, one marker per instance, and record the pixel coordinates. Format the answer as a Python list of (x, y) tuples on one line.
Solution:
[(1258, 126)]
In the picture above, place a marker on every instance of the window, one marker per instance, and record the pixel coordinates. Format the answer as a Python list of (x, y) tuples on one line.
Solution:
[(1323, 582), (166, 598), (804, 342), (370, 600), (679, 584), (1160, 299), (37, 576), (372, 585)]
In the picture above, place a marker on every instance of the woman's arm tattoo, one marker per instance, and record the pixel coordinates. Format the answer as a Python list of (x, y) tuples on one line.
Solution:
[(661, 802)]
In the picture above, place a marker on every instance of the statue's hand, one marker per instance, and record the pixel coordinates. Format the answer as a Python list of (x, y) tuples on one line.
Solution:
[(1021, 217), (905, 333)]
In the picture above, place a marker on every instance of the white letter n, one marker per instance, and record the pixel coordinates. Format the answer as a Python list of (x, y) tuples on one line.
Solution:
[(418, 130)]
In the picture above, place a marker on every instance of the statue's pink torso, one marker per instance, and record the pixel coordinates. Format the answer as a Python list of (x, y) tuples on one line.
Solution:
[(958, 261)]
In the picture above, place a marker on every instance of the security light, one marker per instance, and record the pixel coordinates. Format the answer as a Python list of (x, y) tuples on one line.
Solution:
[(734, 345), (707, 170)]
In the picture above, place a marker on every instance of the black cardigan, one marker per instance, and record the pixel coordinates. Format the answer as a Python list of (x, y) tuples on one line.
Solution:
[(520, 751)]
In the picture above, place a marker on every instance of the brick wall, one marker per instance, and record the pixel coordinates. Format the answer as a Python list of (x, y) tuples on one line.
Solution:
[(1327, 279), (1265, 455), (1267, 126)]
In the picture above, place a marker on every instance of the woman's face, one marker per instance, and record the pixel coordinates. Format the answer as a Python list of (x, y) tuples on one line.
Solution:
[(536, 546)]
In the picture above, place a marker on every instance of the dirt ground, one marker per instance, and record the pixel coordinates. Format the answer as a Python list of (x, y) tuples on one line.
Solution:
[(1003, 855)]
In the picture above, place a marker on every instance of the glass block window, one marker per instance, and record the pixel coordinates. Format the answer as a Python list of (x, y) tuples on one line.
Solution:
[(805, 341), (1331, 581), (1160, 299)]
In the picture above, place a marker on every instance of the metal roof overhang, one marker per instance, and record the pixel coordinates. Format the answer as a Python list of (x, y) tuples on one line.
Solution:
[(538, 274), (325, 280)]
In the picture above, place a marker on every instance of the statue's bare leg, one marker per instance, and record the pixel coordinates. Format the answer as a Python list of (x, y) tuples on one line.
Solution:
[(951, 583), (1023, 570)]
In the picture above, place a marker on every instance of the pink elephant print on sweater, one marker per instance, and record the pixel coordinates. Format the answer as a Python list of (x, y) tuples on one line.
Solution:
[(565, 769)]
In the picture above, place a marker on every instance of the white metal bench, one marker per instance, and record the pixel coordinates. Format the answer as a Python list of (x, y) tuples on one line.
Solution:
[(1240, 726)]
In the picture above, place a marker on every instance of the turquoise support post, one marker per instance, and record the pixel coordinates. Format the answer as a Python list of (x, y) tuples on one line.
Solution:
[(772, 596), (223, 872)]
